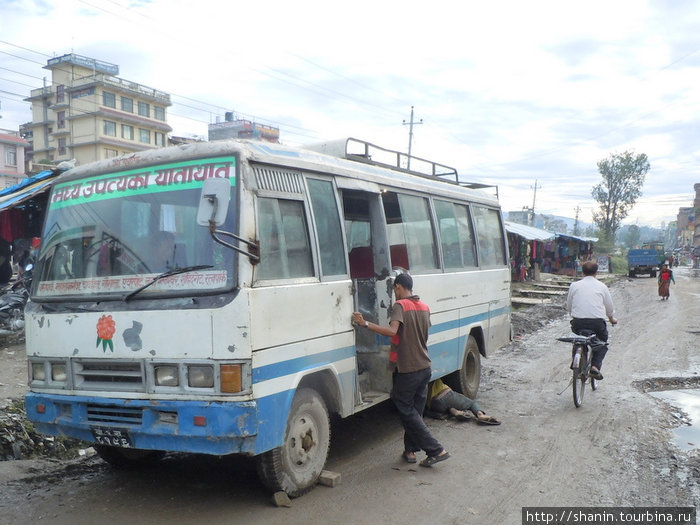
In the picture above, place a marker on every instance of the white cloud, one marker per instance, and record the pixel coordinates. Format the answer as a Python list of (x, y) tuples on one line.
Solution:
[(510, 92)]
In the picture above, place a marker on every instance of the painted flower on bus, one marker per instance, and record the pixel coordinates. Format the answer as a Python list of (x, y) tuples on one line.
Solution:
[(105, 331)]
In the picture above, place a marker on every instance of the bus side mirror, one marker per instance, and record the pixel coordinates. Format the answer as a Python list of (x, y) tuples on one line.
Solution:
[(213, 202)]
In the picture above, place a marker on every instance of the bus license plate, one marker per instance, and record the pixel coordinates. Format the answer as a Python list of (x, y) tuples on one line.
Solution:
[(114, 437)]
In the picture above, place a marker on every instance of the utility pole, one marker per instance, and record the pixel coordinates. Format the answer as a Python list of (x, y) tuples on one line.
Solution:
[(410, 136), (576, 226), (534, 196)]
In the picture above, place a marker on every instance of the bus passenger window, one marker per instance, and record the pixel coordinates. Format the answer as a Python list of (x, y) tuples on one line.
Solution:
[(285, 251), (410, 232), (489, 233), (328, 230), (456, 235)]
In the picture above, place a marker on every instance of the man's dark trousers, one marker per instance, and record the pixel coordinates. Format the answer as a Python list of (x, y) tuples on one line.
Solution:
[(601, 332), (409, 394)]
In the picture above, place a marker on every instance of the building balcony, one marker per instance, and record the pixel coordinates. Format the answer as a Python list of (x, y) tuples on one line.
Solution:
[(123, 86)]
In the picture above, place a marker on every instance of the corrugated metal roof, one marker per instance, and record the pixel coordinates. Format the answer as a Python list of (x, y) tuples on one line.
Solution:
[(528, 232)]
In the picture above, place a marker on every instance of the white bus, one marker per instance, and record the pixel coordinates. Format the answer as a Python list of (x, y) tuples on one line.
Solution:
[(199, 298)]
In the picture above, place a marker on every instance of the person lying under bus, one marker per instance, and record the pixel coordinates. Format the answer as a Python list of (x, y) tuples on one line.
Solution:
[(442, 400)]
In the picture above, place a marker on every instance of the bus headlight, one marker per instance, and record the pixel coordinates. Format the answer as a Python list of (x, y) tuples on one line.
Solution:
[(58, 372), (38, 372), (166, 375), (200, 376)]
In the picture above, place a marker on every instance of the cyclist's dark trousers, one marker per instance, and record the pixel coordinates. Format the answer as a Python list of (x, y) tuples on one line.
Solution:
[(601, 331), (409, 394)]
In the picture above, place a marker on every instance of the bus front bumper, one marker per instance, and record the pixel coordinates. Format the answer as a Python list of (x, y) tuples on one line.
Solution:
[(178, 426)]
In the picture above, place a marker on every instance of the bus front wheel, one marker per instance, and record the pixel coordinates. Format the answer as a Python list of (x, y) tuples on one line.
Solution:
[(296, 466), (467, 379)]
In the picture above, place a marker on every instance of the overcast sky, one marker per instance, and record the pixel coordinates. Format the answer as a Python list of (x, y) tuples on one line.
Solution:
[(509, 92)]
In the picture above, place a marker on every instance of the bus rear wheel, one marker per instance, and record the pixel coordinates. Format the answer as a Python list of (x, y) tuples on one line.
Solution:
[(296, 466), (467, 379)]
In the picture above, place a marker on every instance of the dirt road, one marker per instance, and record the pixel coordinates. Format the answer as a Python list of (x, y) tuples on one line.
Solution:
[(614, 451)]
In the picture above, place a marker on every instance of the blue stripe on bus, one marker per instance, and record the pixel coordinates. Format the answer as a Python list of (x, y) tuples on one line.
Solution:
[(283, 368), (291, 366), (456, 323)]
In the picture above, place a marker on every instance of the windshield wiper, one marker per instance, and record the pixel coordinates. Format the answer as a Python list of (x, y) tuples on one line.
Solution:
[(174, 271)]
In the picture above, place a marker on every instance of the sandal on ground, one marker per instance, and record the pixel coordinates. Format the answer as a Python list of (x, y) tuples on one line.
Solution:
[(489, 420), (464, 416), (431, 460), (409, 457)]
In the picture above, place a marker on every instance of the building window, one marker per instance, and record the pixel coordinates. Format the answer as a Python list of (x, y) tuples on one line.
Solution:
[(128, 104), (144, 109), (10, 155), (144, 136), (60, 93), (158, 113), (159, 139), (62, 146), (127, 132), (110, 128), (61, 119), (109, 99), (83, 92), (109, 153)]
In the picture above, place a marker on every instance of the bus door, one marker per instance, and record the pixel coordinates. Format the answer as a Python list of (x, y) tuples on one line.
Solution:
[(368, 256)]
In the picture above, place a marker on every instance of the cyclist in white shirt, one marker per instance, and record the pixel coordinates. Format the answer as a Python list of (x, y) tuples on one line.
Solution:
[(589, 304)]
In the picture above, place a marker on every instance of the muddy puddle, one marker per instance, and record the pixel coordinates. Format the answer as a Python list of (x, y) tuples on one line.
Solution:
[(687, 436)]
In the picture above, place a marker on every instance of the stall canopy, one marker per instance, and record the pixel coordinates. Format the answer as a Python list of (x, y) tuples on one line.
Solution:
[(580, 239), (28, 188), (528, 232)]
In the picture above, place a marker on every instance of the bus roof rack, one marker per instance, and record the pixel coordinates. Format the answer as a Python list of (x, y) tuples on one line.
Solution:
[(362, 151)]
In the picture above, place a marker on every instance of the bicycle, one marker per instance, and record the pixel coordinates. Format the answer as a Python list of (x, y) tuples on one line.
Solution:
[(581, 356)]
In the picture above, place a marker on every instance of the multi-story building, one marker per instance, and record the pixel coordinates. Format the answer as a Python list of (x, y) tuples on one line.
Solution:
[(12, 149), (233, 128), (685, 227), (87, 113)]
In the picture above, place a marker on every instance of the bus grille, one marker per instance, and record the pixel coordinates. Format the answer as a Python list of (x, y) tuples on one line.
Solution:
[(109, 375), (275, 179), (114, 415)]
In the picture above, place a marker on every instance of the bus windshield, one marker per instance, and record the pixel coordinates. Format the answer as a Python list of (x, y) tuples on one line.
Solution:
[(113, 234)]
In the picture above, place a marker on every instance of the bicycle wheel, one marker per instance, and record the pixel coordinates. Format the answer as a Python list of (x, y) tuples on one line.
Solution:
[(579, 379)]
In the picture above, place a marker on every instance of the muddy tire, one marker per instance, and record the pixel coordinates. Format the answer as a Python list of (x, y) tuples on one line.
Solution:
[(296, 466), (127, 457), (579, 379), (466, 380)]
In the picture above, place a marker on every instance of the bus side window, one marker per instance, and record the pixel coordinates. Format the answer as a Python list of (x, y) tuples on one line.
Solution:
[(489, 233), (409, 227), (285, 251), (328, 229)]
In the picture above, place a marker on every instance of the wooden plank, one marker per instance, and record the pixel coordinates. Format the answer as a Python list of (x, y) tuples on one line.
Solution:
[(528, 301)]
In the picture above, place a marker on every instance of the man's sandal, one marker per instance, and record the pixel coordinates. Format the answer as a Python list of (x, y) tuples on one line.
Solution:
[(431, 460), (409, 457)]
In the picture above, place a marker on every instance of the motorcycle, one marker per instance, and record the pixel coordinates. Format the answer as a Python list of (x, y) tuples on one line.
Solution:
[(12, 304)]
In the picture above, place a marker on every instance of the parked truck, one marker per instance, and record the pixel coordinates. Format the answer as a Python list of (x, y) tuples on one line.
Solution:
[(644, 261)]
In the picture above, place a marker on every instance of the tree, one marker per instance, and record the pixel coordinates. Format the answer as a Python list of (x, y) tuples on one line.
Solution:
[(623, 177), (633, 236)]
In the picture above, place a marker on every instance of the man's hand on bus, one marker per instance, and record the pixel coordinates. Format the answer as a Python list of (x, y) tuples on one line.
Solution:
[(358, 319)]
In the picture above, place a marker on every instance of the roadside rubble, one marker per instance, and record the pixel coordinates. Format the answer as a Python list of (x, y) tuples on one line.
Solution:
[(19, 440)]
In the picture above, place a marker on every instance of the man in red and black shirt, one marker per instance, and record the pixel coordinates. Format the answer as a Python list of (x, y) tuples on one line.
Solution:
[(408, 329)]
